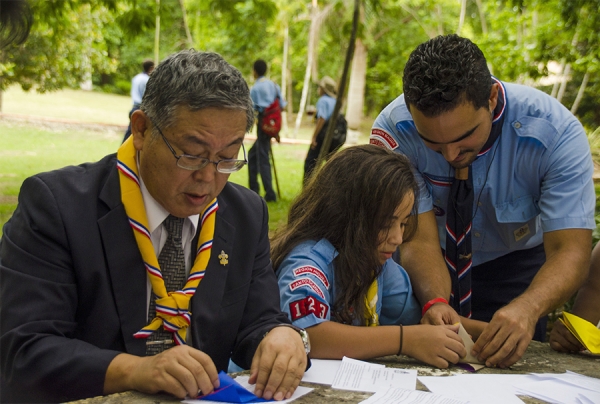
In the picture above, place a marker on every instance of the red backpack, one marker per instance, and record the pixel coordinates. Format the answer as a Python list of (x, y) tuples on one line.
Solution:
[(271, 119)]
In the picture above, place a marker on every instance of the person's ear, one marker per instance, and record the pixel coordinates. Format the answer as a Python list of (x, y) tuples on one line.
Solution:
[(140, 128), (493, 101)]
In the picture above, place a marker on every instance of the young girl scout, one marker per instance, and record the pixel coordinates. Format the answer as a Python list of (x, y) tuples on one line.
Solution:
[(337, 278)]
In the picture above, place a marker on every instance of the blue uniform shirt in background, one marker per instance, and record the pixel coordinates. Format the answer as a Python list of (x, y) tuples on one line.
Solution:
[(138, 87), (539, 180), (307, 288), (325, 106), (263, 93)]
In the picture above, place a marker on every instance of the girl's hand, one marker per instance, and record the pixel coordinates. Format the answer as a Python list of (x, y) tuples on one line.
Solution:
[(437, 345)]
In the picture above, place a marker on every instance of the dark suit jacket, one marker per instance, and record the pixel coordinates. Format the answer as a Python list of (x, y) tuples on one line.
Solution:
[(73, 285)]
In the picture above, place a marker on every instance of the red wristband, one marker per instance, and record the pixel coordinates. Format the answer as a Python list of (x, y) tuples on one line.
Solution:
[(431, 303)]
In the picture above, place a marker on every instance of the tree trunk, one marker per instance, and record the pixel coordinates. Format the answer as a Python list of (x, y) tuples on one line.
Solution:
[(582, 87), (461, 19), (157, 33), (440, 19), (341, 88), (284, 71), (316, 19), (482, 17), (188, 34), (356, 88), (563, 82)]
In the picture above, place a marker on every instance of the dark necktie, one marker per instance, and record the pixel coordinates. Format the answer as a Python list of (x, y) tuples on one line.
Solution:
[(458, 253), (458, 240), (172, 265)]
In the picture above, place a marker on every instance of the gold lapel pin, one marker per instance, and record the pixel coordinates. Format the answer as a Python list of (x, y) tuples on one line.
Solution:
[(223, 258)]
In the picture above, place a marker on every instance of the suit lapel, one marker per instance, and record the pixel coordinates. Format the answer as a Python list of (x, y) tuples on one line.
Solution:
[(125, 266), (209, 295)]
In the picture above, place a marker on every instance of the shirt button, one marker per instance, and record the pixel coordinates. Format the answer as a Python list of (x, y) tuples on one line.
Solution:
[(479, 203), (517, 125), (477, 234)]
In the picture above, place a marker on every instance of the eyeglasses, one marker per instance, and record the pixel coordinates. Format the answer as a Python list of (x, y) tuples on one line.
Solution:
[(194, 163)]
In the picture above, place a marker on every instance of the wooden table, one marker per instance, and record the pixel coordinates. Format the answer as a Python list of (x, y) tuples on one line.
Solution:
[(539, 358)]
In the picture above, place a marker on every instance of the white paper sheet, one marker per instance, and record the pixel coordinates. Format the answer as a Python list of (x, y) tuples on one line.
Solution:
[(322, 371), (586, 382), (558, 391), (485, 389), (363, 376), (243, 381), (401, 396)]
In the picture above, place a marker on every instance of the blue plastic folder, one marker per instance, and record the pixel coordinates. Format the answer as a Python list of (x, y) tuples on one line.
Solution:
[(231, 391)]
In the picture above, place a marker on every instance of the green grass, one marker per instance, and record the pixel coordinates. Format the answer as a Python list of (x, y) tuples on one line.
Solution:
[(75, 105), (27, 149)]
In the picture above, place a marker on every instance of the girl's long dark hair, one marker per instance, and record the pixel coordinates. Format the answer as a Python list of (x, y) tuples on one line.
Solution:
[(349, 201)]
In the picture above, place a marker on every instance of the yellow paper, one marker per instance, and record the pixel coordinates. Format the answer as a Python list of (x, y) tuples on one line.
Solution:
[(584, 331)]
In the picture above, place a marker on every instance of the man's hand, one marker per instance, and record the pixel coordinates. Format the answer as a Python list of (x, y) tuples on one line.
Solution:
[(278, 364), (439, 314), (181, 371), (562, 340), (505, 339)]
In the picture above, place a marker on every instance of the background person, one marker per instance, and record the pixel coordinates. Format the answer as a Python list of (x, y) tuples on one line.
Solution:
[(263, 93), (333, 260), (138, 87), (505, 175), (325, 106), (586, 306), (90, 255)]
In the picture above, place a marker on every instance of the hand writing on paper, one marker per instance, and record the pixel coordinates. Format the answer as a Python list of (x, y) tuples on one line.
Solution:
[(562, 340), (505, 339), (181, 371), (437, 345), (440, 313), (278, 364)]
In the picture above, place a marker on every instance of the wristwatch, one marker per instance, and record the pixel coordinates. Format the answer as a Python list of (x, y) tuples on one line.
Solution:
[(303, 335)]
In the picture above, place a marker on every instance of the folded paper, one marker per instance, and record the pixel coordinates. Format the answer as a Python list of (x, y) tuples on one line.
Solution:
[(469, 362), (231, 391), (587, 333)]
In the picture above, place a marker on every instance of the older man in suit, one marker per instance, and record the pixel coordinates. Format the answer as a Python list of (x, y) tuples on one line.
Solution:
[(148, 270)]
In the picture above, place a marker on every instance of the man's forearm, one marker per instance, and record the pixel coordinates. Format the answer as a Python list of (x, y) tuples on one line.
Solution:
[(566, 266), (423, 260)]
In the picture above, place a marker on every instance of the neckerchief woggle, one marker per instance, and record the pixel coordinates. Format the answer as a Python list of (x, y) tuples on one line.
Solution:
[(172, 308)]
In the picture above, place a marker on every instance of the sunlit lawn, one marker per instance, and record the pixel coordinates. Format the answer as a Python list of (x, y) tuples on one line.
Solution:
[(27, 149)]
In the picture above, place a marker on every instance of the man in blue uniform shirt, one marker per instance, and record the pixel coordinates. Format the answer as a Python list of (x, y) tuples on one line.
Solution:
[(138, 87), (263, 93), (530, 170)]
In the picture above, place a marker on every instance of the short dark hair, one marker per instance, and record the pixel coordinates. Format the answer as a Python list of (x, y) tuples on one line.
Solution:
[(443, 73), (260, 67), (195, 80), (349, 202), (147, 65), (16, 19)]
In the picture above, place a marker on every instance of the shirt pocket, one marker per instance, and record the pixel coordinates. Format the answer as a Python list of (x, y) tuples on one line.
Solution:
[(517, 221)]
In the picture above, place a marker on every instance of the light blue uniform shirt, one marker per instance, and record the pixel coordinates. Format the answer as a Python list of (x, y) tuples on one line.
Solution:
[(325, 106), (263, 93), (138, 86), (539, 180), (307, 288)]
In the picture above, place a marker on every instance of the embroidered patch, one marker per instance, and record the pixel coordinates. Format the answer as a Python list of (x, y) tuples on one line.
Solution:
[(438, 211), (309, 284), (379, 137), (308, 305), (521, 232), (313, 271)]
